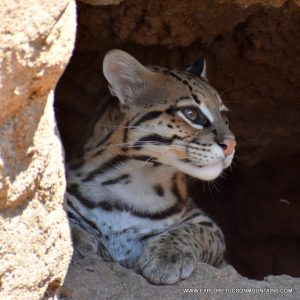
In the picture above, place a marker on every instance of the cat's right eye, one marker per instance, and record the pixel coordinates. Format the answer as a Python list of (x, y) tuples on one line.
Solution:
[(190, 113), (194, 115)]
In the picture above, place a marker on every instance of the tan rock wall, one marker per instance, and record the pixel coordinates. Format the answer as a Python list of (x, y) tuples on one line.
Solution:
[(37, 39)]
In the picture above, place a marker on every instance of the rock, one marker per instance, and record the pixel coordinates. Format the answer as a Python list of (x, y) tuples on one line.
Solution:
[(102, 2), (112, 281), (37, 39)]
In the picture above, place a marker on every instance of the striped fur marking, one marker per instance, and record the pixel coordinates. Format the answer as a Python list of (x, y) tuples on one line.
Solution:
[(117, 160), (154, 139), (116, 180), (147, 117)]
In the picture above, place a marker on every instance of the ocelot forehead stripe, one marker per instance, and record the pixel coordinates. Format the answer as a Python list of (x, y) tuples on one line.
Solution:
[(177, 77), (196, 98), (182, 98), (173, 74)]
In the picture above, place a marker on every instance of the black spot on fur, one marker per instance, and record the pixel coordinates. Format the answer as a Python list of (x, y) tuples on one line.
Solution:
[(170, 111), (174, 258), (159, 190)]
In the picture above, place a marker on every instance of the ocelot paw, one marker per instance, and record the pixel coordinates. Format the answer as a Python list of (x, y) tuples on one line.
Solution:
[(162, 263), (84, 243)]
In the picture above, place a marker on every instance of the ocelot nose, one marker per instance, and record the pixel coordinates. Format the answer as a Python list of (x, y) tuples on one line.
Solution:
[(228, 146)]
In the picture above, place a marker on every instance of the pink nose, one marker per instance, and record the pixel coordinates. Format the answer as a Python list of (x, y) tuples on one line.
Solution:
[(228, 146)]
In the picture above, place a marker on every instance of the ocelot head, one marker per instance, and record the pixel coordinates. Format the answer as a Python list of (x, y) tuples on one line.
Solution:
[(172, 117)]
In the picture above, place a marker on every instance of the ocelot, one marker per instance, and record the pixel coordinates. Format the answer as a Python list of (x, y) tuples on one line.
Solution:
[(129, 191)]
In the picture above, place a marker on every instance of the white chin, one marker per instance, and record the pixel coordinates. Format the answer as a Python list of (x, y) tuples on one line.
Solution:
[(211, 171), (228, 160)]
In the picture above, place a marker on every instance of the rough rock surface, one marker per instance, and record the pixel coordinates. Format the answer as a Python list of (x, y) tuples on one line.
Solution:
[(91, 278), (35, 247), (102, 2)]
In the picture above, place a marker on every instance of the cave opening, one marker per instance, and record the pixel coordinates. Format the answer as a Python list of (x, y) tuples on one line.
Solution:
[(252, 51)]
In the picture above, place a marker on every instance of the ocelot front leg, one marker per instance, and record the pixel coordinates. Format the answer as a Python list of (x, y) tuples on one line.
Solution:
[(172, 255)]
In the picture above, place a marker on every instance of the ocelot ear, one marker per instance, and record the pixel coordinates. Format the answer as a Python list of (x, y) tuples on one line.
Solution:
[(198, 68), (126, 76)]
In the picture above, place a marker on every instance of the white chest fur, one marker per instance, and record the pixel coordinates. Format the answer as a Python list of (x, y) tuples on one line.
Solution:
[(147, 188)]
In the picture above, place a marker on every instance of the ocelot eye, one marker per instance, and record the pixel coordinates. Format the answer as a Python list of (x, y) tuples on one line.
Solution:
[(195, 115), (190, 113)]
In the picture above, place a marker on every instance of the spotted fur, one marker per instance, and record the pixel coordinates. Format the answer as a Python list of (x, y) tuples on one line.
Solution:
[(128, 191)]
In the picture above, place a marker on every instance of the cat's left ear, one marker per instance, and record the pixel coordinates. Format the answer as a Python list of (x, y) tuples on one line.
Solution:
[(198, 68)]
